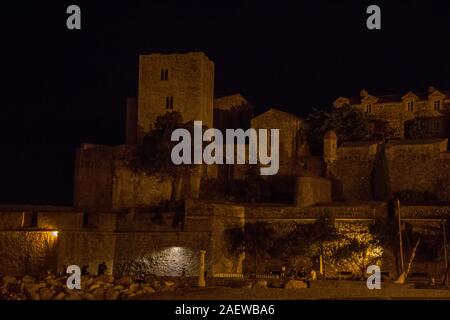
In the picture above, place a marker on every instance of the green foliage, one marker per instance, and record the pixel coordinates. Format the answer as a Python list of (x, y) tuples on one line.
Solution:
[(350, 124), (306, 240), (417, 129), (256, 238), (153, 155), (253, 188)]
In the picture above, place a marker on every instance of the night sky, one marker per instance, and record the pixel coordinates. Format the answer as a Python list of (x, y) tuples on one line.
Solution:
[(61, 88)]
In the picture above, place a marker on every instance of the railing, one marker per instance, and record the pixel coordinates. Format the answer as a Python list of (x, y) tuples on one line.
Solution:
[(242, 276)]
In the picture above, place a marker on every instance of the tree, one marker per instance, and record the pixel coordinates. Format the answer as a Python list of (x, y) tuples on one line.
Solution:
[(293, 244), (385, 231), (256, 238), (417, 129), (153, 155), (350, 124), (323, 232), (360, 253)]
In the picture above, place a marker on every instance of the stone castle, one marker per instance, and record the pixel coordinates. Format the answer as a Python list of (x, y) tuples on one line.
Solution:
[(112, 219)]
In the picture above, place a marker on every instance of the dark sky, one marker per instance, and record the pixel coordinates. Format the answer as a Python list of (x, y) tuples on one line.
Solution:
[(61, 88)]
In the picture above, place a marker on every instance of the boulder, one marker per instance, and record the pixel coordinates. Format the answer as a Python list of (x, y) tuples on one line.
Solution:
[(125, 281), (59, 296), (34, 296), (105, 278), (54, 283), (296, 284), (28, 279), (86, 281), (112, 294), (134, 288), (47, 293), (74, 296), (94, 287), (89, 296), (99, 294), (148, 290), (260, 284), (247, 285), (6, 280)]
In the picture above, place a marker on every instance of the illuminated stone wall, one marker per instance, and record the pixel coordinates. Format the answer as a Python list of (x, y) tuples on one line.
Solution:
[(27, 252), (160, 253)]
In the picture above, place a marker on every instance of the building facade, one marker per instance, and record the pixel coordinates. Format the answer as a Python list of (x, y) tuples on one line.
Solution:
[(400, 111)]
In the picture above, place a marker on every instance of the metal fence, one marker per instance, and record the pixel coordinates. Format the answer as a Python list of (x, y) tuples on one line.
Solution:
[(242, 275)]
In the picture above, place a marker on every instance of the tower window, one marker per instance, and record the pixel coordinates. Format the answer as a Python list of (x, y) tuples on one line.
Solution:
[(169, 102), (437, 105), (164, 74), (369, 108), (85, 219), (436, 126), (410, 105)]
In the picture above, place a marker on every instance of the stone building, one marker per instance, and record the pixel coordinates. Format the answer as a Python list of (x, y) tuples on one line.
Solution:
[(111, 220), (399, 110), (175, 82), (363, 169), (289, 126)]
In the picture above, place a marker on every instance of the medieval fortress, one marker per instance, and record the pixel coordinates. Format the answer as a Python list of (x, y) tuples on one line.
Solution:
[(112, 217)]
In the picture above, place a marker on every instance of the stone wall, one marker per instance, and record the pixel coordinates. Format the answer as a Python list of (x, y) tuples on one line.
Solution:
[(419, 166), (311, 190), (93, 177), (289, 126), (225, 217), (352, 170), (27, 252), (87, 247), (160, 253), (136, 189)]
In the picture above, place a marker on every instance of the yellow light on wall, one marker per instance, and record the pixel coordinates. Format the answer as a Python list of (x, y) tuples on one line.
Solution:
[(54, 234)]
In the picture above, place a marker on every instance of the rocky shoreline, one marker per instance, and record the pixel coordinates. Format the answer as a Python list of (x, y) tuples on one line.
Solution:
[(107, 287), (104, 287)]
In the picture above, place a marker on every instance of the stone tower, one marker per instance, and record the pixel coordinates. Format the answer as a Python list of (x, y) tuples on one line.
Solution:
[(175, 82), (330, 146)]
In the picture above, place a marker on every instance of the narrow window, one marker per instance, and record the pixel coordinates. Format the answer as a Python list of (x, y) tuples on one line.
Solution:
[(171, 102), (167, 103), (166, 74), (437, 105), (369, 108), (85, 219), (162, 74), (437, 127), (410, 106)]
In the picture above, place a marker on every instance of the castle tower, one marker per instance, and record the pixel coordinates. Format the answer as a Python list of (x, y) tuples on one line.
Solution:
[(330, 146), (175, 82)]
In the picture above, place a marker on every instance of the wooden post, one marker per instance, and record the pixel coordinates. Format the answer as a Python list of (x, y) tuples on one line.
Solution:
[(321, 265), (444, 233), (402, 267), (201, 269)]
